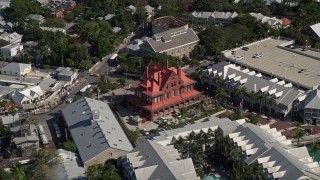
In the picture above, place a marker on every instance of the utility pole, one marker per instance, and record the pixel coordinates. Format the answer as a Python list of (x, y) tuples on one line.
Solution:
[(98, 90)]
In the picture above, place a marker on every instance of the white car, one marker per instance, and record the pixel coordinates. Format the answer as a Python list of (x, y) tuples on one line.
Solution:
[(257, 55), (239, 58)]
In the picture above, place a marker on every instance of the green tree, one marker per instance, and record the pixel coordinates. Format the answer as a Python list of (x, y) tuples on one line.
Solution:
[(33, 120), (4, 174), (254, 120), (299, 133), (4, 130), (12, 111), (99, 171), (133, 136), (88, 93), (69, 17), (19, 9), (262, 99), (18, 172), (69, 146), (122, 82), (54, 22), (235, 155)]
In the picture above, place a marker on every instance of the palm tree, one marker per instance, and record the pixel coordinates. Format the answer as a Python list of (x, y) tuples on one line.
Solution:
[(253, 95), (179, 143), (243, 92), (12, 111), (299, 135), (272, 103), (235, 155), (218, 80), (256, 170), (262, 98), (221, 94)]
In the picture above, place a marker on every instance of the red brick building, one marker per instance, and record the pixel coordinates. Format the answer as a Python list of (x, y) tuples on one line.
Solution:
[(163, 90)]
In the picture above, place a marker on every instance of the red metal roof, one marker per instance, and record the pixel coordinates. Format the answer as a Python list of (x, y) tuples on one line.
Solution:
[(156, 76)]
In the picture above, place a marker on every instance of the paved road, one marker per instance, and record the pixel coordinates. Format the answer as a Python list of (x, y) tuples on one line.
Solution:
[(54, 115)]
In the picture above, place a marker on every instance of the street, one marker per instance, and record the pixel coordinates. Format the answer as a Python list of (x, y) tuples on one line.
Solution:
[(54, 115)]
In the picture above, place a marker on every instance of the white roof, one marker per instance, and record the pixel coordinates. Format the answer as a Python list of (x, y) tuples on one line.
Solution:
[(15, 67), (13, 37), (70, 167), (316, 29), (151, 160), (29, 93)]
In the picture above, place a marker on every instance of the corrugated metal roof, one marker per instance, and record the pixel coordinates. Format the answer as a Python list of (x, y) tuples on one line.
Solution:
[(94, 128)]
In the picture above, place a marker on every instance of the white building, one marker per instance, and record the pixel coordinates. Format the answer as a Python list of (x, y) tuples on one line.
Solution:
[(271, 21), (16, 69), (28, 96), (11, 38), (151, 160), (53, 29), (216, 17), (11, 50), (276, 155)]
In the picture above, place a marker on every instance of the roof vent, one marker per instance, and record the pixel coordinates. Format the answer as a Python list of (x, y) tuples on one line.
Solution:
[(84, 112), (115, 144), (96, 115)]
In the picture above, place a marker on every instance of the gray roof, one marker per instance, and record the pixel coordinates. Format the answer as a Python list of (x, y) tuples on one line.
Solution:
[(5, 90), (94, 128), (36, 17), (312, 101), (224, 15), (274, 152), (109, 16), (209, 124), (47, 83), (160, 162), (31, 137), (70, 167), (176, 41), (6, 120), (19, 80), (15, 67), (255, 83), (65, 71)]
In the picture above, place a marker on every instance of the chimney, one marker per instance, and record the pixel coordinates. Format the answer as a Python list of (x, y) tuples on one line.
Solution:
[(159, 78), (179, 71), (167, 64), (255, 88)]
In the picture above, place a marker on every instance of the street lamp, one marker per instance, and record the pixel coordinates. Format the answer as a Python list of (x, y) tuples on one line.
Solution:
[(306, 43), (293, 60), (98, 90)]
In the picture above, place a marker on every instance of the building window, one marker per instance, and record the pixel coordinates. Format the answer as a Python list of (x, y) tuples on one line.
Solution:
[(172, 93), (179, 91), (167, 96)]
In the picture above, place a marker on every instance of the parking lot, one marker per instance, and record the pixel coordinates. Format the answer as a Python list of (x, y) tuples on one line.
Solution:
[(284, 64)]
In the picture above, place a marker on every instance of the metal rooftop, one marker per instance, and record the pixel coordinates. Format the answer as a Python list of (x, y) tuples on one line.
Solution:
[(94, 128)]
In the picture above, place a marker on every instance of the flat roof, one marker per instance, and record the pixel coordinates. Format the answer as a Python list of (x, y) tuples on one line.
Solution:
[(293, 65)]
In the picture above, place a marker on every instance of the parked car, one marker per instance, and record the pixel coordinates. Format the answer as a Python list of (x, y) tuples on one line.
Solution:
[(239, 58), (257, 55), (40, 129), (95, 74), (69, 101), (245, 48)]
